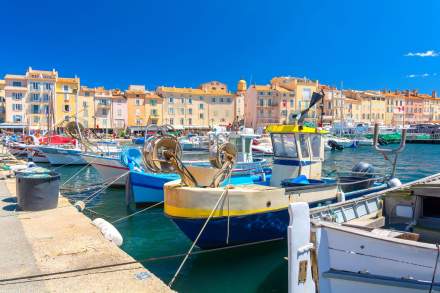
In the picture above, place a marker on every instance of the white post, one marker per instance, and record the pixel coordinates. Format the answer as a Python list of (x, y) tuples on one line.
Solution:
[(299, 246)]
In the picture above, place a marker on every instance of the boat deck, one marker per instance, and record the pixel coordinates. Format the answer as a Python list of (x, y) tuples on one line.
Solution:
[(60, 250)]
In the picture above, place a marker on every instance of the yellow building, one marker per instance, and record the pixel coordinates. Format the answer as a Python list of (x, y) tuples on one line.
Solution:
[(211, 104), (135, 96), (66, 99), (153, 108)]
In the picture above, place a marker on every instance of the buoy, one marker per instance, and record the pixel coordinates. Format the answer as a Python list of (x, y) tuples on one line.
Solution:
[(394, 182), (80, 205), (109, 231), (341, 196)]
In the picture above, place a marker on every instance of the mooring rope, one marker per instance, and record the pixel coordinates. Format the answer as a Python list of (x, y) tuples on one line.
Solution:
[(138, 212), (4, 282), (89, 198), (435, 268), (170, 284)]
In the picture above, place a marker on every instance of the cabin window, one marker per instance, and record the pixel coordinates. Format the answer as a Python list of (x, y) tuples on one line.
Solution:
[(430, 207), (304, 145), (284, 145), (315, 142)]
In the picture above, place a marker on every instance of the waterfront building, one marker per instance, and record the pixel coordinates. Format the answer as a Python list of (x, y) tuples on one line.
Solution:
[(86, 107), (209, 105), (153, 108), (239, 101), (275, 103), (135, 95), (119, 113), (103, 109), (2, 101), (66, 106)]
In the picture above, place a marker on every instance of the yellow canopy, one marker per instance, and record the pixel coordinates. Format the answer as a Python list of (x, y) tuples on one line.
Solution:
[(293, 129)]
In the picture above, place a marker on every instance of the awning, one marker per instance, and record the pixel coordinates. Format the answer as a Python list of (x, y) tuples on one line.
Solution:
[(12, 126)]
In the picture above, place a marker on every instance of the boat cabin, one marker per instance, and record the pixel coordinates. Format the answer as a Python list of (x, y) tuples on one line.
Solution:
[(297, 150), (416, 211)]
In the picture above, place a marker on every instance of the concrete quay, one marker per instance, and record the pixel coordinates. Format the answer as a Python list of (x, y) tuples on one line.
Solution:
[(60, 250)]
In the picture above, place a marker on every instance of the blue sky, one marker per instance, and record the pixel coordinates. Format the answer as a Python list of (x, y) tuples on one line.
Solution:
[(184, 43)]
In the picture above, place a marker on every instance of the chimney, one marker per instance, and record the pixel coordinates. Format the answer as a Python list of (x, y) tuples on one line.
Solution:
[(434, 94)]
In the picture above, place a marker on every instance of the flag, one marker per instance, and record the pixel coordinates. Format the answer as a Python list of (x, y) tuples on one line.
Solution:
[(315, 98)]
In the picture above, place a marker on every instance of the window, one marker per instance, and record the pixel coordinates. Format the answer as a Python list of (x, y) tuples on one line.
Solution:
[(138, 122), (304, 145), (190, 111), (201, 106), (153, 112), (153, 102), (35, 109), (222, 100), (35, 97), (172, 121), (315, 142), (87, 94), (35, 85), (189, 121), (85, 104), (66, 108), (17, 96), (190, 100), (170, 100), (307, 93), (171, 111), (284, 145), (66, 97), (213, 100), (201, 98), (17, 118), (261, 102), (36, 119), (292, 103), (65, 88), (16, 83), (229, 100), (17, 107), (45, 97), (66, 118), (48, 86), (138, 102), (182, 121), (201, 116)]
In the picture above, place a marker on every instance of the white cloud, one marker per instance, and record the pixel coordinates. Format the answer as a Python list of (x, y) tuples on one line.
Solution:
[(429, 53), (423, 75)]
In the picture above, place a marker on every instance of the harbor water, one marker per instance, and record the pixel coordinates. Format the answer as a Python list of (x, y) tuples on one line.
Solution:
[(258, 268)]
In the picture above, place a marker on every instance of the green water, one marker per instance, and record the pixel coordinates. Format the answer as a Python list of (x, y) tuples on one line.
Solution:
[(260, 268)]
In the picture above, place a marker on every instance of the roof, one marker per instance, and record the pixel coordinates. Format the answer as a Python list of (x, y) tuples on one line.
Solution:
[(192, 91), (277, 128), (14, 76), (68, 80)]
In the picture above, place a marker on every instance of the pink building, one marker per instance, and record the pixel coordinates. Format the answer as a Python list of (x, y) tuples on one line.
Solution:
[(119, 110)]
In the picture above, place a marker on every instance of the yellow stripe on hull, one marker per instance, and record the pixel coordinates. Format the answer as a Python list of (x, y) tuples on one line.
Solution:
[(202, 213)]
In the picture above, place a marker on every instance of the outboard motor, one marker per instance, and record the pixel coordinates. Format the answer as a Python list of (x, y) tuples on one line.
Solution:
[(334, 145), (361, 177)]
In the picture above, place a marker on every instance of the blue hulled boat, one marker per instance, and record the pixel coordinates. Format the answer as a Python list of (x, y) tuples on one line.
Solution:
[(258, 212)]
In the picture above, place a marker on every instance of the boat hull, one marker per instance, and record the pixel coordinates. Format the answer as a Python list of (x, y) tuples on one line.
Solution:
[(37, 156), (59, 156), (242, 229), (148, 187), (108, 168)]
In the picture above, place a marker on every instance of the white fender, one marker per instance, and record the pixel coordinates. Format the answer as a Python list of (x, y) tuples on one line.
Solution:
[(109, 231), (394, 182)]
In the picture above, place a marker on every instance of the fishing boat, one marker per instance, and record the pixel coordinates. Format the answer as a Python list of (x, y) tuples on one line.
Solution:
[(72, 154), (385, 242), (147, 187), (248, 213), (194, 143)]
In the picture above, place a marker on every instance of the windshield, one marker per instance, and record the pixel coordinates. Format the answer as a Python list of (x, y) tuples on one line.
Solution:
[(284, 145)]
